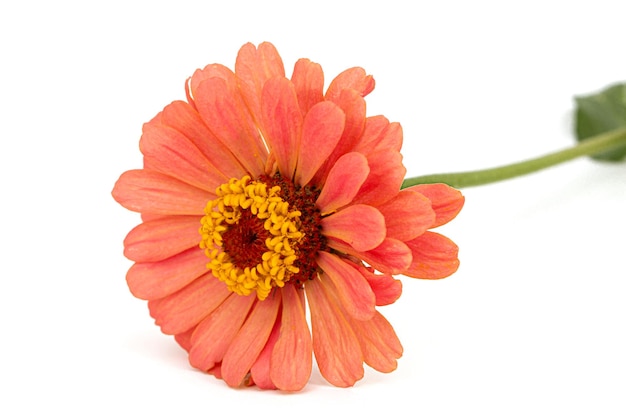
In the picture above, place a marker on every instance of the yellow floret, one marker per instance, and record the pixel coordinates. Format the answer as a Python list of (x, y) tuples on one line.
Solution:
[(277, 264)]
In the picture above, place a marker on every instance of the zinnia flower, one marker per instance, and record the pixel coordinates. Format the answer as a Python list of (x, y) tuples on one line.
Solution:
[(261, 195)]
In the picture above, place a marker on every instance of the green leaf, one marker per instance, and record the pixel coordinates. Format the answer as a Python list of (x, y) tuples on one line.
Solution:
[(600, 113)]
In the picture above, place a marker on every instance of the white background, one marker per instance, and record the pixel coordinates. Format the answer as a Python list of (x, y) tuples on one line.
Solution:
[(533, 323)]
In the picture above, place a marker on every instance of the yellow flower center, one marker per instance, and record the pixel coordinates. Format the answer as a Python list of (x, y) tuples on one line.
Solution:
[(250, 235)]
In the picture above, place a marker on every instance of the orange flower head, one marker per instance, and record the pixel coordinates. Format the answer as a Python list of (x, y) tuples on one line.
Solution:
[(261, 195)]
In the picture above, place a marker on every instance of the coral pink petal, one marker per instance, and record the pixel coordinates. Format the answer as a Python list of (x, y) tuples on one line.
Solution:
[(215, 333), (379, 343), (185, 308), (162, 238), (343, 183), (391, 138), (308, 79), (170, 152), (434, 256), (353, 79), (322, 128), (292, 356), (361, 226), (445, 200), (249, 342), (386, 288), (148, 217), (185, 119), (210, 71), (373, 130), (282, 123), (216, 370), (253, 68), (260, 371), (225, 114), (385, 178), (337, 350), (390, 257), (184, 339), (350, 287), (152, 280), (407, 215), (353, 106), (152, 192), (380, 134)]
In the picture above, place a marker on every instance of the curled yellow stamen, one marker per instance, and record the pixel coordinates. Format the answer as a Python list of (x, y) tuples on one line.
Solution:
[(282, 223)]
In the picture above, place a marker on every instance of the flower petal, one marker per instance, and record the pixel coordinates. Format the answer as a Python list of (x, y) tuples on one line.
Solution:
[(152, 192), (361, 226), (208, 72), (352, 78), (343, 183), (250, 340), (350, 287), (185, 308), (390, 257), (385, 178), (260, 371), (185, 119), (337, 350), (168, 151), (386, 288), (353, 106), (148, 217), (321, 130), (253, 68), (162, 238), (407, 215), (445, 200), (292, 356), (215, 333), (380, 134), (434, 256), (224, 112), (282, 123), (215, 370), (308, 79), (184, 339), (152, 280), (379, 343)]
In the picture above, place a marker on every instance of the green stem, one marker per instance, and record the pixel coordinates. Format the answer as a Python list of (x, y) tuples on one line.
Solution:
[(594, 145)]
